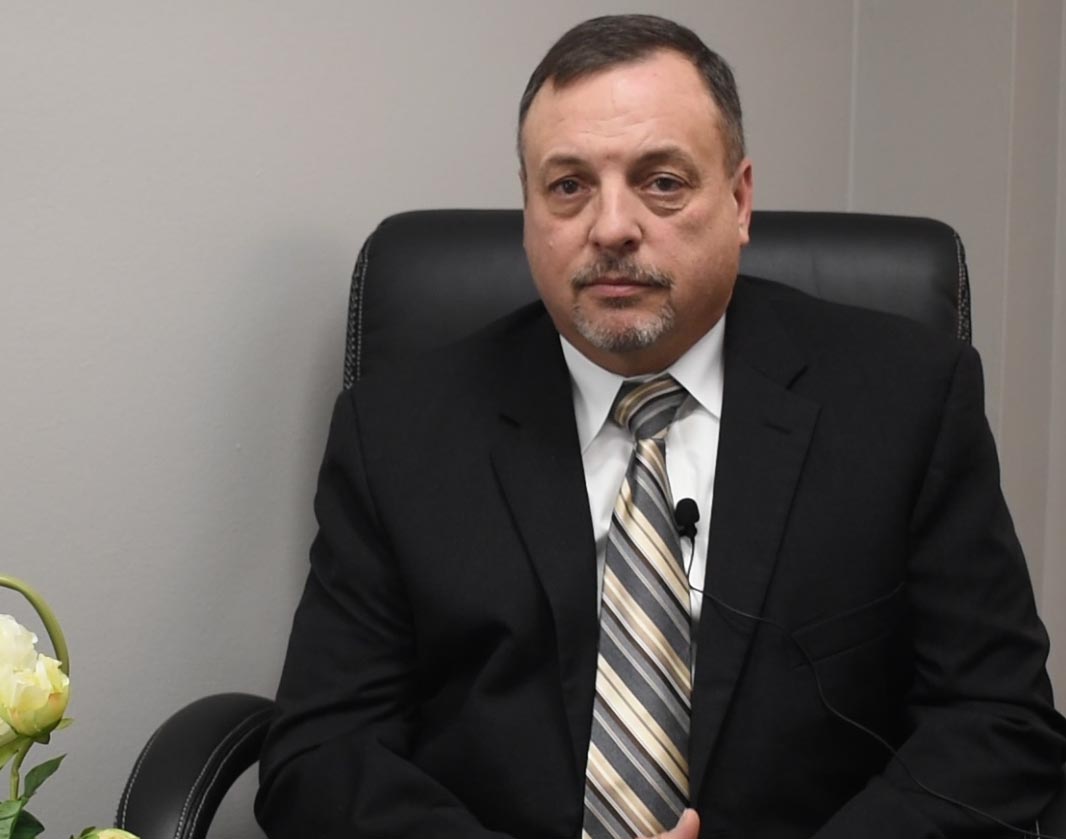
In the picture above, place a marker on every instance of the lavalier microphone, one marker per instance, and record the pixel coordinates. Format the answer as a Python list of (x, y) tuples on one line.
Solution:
[(686, 514)]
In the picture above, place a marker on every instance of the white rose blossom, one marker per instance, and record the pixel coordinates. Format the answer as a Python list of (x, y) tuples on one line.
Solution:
[(17, 645), (34, 691), (32, 701)]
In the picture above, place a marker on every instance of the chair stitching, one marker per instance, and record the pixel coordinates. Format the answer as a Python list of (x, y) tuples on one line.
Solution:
[(959, 287), (134, 777), (353, 349), (349, 326), (351, 338), (359, 313), (239, 735), (196, 816)]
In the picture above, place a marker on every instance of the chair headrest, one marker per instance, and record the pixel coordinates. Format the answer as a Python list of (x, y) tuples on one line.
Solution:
[(428, 277)]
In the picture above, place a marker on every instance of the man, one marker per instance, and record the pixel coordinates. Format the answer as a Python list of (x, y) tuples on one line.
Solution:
[(502, 634)]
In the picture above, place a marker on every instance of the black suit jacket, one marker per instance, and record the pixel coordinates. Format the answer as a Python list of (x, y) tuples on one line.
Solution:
[(440, 675)]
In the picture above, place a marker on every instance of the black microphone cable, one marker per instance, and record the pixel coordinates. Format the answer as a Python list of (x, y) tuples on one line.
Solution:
[(686, 514)]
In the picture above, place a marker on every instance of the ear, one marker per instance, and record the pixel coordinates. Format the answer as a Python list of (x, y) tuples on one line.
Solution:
[(522, 181), (743, 196)]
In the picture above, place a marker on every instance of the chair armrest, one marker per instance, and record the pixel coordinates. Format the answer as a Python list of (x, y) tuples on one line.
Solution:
[(188, 764)]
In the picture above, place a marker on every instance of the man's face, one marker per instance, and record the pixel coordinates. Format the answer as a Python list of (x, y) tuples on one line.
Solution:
[(633, 226)]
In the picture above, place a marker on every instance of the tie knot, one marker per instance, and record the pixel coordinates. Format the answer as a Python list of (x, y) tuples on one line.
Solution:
[(648, 408)]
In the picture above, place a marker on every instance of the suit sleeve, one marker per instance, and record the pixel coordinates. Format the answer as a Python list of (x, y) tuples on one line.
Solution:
[(983, 729), (336, 762)]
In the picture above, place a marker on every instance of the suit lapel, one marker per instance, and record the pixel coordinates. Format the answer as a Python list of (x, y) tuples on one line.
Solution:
[(537, 460), (763, 441)]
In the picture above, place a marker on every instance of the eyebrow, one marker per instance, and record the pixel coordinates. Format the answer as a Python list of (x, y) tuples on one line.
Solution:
[(668, 154), (663, 154), (562, 160)]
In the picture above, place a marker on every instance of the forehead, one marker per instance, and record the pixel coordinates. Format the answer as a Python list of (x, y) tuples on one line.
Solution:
[(660, 99)]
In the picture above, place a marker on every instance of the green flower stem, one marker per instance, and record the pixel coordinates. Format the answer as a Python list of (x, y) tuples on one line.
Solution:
[(51, 625), (20, 756)]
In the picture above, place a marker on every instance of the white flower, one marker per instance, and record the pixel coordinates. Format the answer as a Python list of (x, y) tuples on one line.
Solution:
[(33, 690), (17, 645)]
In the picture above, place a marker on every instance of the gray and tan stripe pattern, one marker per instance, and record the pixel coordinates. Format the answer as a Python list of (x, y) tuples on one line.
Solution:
[(637, 775)]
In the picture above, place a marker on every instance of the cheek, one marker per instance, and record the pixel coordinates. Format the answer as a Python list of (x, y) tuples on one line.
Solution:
[(696, 229), (705, 258), (690, 247), (710, 237), (549, 260), (553, 246)]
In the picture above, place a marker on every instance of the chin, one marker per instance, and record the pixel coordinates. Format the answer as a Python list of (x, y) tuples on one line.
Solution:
[(624, 331)]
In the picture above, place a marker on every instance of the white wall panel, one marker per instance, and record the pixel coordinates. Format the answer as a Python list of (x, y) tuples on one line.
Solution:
[(932, 134), (1054, 571), (1025, 384)]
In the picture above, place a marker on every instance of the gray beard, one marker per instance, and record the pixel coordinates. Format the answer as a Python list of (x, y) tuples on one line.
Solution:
[(626, 338), (632, 336)]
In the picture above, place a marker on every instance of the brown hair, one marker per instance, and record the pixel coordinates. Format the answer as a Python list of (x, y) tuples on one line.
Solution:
[(604, 42)]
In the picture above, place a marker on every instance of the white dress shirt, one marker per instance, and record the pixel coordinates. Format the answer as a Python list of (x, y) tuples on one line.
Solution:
[(691, 445)]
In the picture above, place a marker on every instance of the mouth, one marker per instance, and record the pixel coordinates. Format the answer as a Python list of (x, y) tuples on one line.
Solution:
[(617, 286), (619, 279)]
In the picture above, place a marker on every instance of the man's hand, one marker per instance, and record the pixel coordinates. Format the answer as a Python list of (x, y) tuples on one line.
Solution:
[(688, 827)]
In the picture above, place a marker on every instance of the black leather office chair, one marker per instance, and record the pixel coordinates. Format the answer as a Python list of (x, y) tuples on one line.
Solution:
[(425, 278)]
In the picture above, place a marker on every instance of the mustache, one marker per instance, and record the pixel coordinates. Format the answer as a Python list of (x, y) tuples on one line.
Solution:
[(626, 268)]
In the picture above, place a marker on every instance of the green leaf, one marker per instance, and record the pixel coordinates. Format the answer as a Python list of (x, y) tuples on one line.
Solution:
[(39, 774), (44, 737), (9, 813), (27, 826), (7, 752)]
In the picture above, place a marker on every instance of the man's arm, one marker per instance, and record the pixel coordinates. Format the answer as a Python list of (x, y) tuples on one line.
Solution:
[(335, 763), (983, 727)]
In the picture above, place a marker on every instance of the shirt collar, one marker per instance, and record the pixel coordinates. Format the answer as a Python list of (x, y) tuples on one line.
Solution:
[(699, 371)]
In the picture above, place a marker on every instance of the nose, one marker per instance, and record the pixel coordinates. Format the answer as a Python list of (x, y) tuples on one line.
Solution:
[(616, 226)]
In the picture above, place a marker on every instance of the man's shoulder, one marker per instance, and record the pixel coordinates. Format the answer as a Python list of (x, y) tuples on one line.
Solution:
[(878, 369), (819, 326), (465, 370)]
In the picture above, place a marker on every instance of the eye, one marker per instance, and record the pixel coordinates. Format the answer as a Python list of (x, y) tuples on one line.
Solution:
[(665, 184), (566, 186)]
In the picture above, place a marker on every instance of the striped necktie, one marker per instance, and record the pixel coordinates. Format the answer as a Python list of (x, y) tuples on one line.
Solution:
[(636, 781)]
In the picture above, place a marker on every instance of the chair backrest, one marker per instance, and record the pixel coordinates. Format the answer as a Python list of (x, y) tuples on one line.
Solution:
[(428, 277)]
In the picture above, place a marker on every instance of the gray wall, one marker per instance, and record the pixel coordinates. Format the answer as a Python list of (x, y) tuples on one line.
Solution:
[(183, 189)]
